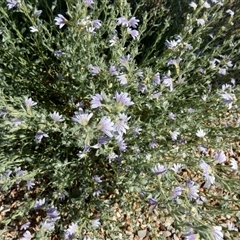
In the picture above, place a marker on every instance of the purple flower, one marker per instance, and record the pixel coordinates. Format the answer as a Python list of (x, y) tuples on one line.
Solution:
[(192, 237), (39, 203), (25, 225), (96, 101), (30, 184), (220, 157), (192, 190), (69, 233), (122, 79), (113, 71), (123, 99), (40, 135), (56, 117), (133, 33), (122, 21), (94, 69), (159, 169), (13, 4), (29, 102), (52, 213), (106, 125), (125, 59), (133, 22), (89, 3), (207, 174), (27, 236), (60, 20)]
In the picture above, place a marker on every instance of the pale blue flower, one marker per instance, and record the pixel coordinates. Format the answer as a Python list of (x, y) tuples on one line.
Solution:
[(59, 53), (13, 4), (172, 44), (159, 169), (17, 121), (192, 190), (121, 124), (39, 203), (156, 79), (89, 3), (96, 222), (133, 22), (168, 82), (25, 225), (122, 21), (30, 184), (106, 125), (27, 236), (70, 232), (37, 13), (82, 117), (60, 20), (29, 102), (94, 69), (97, 179), (176, 192), (56, 117), (96, 24), (40, 135), (220, 157), (48, 225), (133, 33), (52, 213), (123, 99), (113, 71), (96, 101), (122, 79)]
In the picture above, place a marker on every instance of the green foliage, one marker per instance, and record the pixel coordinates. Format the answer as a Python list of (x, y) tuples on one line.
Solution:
[(179, 76)]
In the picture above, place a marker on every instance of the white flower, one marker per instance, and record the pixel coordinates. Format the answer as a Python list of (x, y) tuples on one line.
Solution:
[(193, 5), (200, 22), (220, 156), (159, 169), (234, 164), (56, 117), (29, 102), (217, 233), (200, 133), (33, 29), (96, 222), (206, 5), (177, 167), (229, 11), (82, 117)]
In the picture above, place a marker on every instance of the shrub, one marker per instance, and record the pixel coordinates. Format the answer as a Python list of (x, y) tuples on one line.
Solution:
[(107, 108)]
